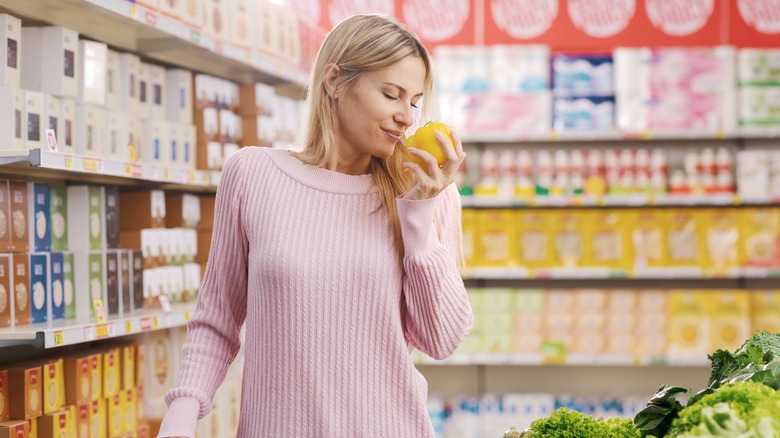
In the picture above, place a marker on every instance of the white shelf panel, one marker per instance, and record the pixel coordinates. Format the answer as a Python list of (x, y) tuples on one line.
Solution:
[(762, 132), (88, 169), (511, 359), (151, 34), (638, 274), (69, 332), (638, 200)]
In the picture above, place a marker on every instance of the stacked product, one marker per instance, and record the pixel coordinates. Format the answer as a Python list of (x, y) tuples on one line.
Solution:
[(759, 87), (584, 95)]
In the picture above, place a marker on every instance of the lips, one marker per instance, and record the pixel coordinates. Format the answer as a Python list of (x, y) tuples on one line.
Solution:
[(393, 135)]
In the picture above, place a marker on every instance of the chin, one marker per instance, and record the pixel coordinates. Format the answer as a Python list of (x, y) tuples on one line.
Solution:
[(384, 152)]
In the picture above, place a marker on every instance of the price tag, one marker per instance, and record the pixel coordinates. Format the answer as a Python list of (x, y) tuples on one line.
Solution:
[(92, 165), (58, 338), (128, 170), (134, 11), (155, 323), (146, 324), (193, 177), (102, 331), (51, 140), (129, 326), (186, 316), (167, 173), (151, 19), (89, 333), (100, 314), (68, 162)]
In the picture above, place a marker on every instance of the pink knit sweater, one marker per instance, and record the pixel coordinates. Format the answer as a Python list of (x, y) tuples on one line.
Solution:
[(331, 315)]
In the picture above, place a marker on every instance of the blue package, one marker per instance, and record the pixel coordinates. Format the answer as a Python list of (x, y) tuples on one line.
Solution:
[(582, 75), (57, 286), (39, 287), (40, 239), (584, 114)]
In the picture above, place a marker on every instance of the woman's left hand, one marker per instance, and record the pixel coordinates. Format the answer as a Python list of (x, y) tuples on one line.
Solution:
[(430, 184)]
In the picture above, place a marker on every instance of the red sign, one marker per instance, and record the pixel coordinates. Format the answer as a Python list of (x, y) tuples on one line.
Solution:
[(754, 23)]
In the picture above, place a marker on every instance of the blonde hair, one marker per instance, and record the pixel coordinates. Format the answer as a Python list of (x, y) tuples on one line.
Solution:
[(360, 44)]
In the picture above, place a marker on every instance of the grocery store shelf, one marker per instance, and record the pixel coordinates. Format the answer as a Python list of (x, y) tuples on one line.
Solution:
[(125, 25), (68, 332), (59, 166), (766, 132), (617, 201), (513, 359), (637, 275)]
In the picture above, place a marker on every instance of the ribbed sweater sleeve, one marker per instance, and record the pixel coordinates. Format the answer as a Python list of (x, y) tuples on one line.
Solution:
[(438, 315), (213, 331)]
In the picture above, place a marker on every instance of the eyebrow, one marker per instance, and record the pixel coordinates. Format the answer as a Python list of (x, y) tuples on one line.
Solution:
[(403, 90)]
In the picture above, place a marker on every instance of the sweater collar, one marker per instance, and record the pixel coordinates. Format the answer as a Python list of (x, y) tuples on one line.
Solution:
[(320, 178)]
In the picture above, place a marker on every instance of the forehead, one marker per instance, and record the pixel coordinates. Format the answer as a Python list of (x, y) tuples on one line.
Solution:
[(408, 73)]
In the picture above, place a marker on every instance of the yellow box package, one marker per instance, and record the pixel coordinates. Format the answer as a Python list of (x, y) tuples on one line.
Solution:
[(682, 238), (765, 310), (688, 325), (568, 232), (729, 312), (720, 241), (760, 229), (649, 238), (470, 233), (607, 239), (496, 238), (534, 238)]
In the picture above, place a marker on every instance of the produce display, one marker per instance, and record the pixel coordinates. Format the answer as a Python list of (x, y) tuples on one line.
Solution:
[(741, 401)]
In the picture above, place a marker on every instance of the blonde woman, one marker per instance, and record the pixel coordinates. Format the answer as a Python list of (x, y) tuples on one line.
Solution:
[(340, 259)]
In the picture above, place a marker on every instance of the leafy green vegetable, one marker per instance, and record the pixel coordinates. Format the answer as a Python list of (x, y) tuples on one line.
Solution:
[(761, 349), (661, 410), (738, 410), (564, 423)]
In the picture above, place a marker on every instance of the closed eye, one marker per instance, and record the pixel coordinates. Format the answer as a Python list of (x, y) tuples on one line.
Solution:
[(391, 97)]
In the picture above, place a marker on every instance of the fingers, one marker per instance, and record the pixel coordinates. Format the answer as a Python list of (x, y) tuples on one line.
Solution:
[(427, 158), (458, 145), (450, 155), (417, 169)]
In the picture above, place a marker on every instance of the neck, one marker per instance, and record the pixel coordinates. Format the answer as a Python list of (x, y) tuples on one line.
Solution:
[(349, 163)]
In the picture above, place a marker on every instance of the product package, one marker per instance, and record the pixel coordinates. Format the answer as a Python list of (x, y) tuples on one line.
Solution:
[(720, 242), (608, 239), (535, 240), (568, 232), (496, 238), (689, 325)]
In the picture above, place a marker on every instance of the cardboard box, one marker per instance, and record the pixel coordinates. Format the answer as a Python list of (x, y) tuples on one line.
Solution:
[(39, 287), (115, 410), (137, 139), (54, 425), (161, 369), (19, 216), (113, 292), (11, 111), (78, 375), (92, 72), (216, 19), (96, 376), (127, 366), (33, 119), (85, 206), (129, 85), (97, 419), (178, 100), (125, 283), (141, 209), (156, 143), (69, 284), (130, 404), (82, 420), (5, 232), (111, 204), (137, 275), (171, 8), (91, 124), (53, 386), (6, 294), (112, 377), (497, 237), (68, 140), (39, 209), (25, 392), (50, 60), (58, 212), (21, 290), (113, 80), (207, 124), (157, 80), (210, 155), (174, 156), (144, 91), (15, 429), (182, 211), (57, 287), (5, 413), (10, 48), (89, 269), (52, 118), (118, 136), (242, 19)]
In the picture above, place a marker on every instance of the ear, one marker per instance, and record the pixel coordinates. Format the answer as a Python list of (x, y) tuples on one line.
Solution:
[(330, 76)]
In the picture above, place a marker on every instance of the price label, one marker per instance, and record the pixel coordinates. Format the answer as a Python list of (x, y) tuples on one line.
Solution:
[(205, 178), (68, 162), (89, 333), (134, 12), (58, 338), (156, 323), (167, 173), (129, 326), (92, 165), (193, 177), (151, 19), (186, 316), (146, 324), (102, 331), (128, 170)]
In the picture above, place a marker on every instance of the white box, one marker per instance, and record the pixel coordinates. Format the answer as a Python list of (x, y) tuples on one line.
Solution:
[(216, 19), (90, 274), (10, 50), (214, 155), (67, 142), (113, 80), (291, 37), (32, 120), (156, 143), (129, 74), (157, 90), (189, 146), (178, 89), (85, 208), (90, 130), (242, 19), (137, 138), (93, 72), (228, 149), (174, 145), (144, 90), (192, 13), (268, 21), (52, 116), (11, 113), (118, 136), (50, 60), (228, 126)]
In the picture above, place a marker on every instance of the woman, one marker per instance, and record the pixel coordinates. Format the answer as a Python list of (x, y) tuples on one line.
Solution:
[(340, 259)]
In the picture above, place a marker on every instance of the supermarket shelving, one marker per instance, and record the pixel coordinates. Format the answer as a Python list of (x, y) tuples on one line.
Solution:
[(617, 136), (511, 359), (60, 166), (617, 201), (125, 25), (69, 332)]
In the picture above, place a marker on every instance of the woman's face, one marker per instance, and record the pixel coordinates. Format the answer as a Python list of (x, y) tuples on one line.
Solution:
[(374, 112)]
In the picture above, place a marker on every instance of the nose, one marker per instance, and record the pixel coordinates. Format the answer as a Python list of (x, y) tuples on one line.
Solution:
[(405, 116)]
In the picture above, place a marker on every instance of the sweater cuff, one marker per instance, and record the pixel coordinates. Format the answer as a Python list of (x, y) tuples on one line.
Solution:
[(181, 419), (417, 224)]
